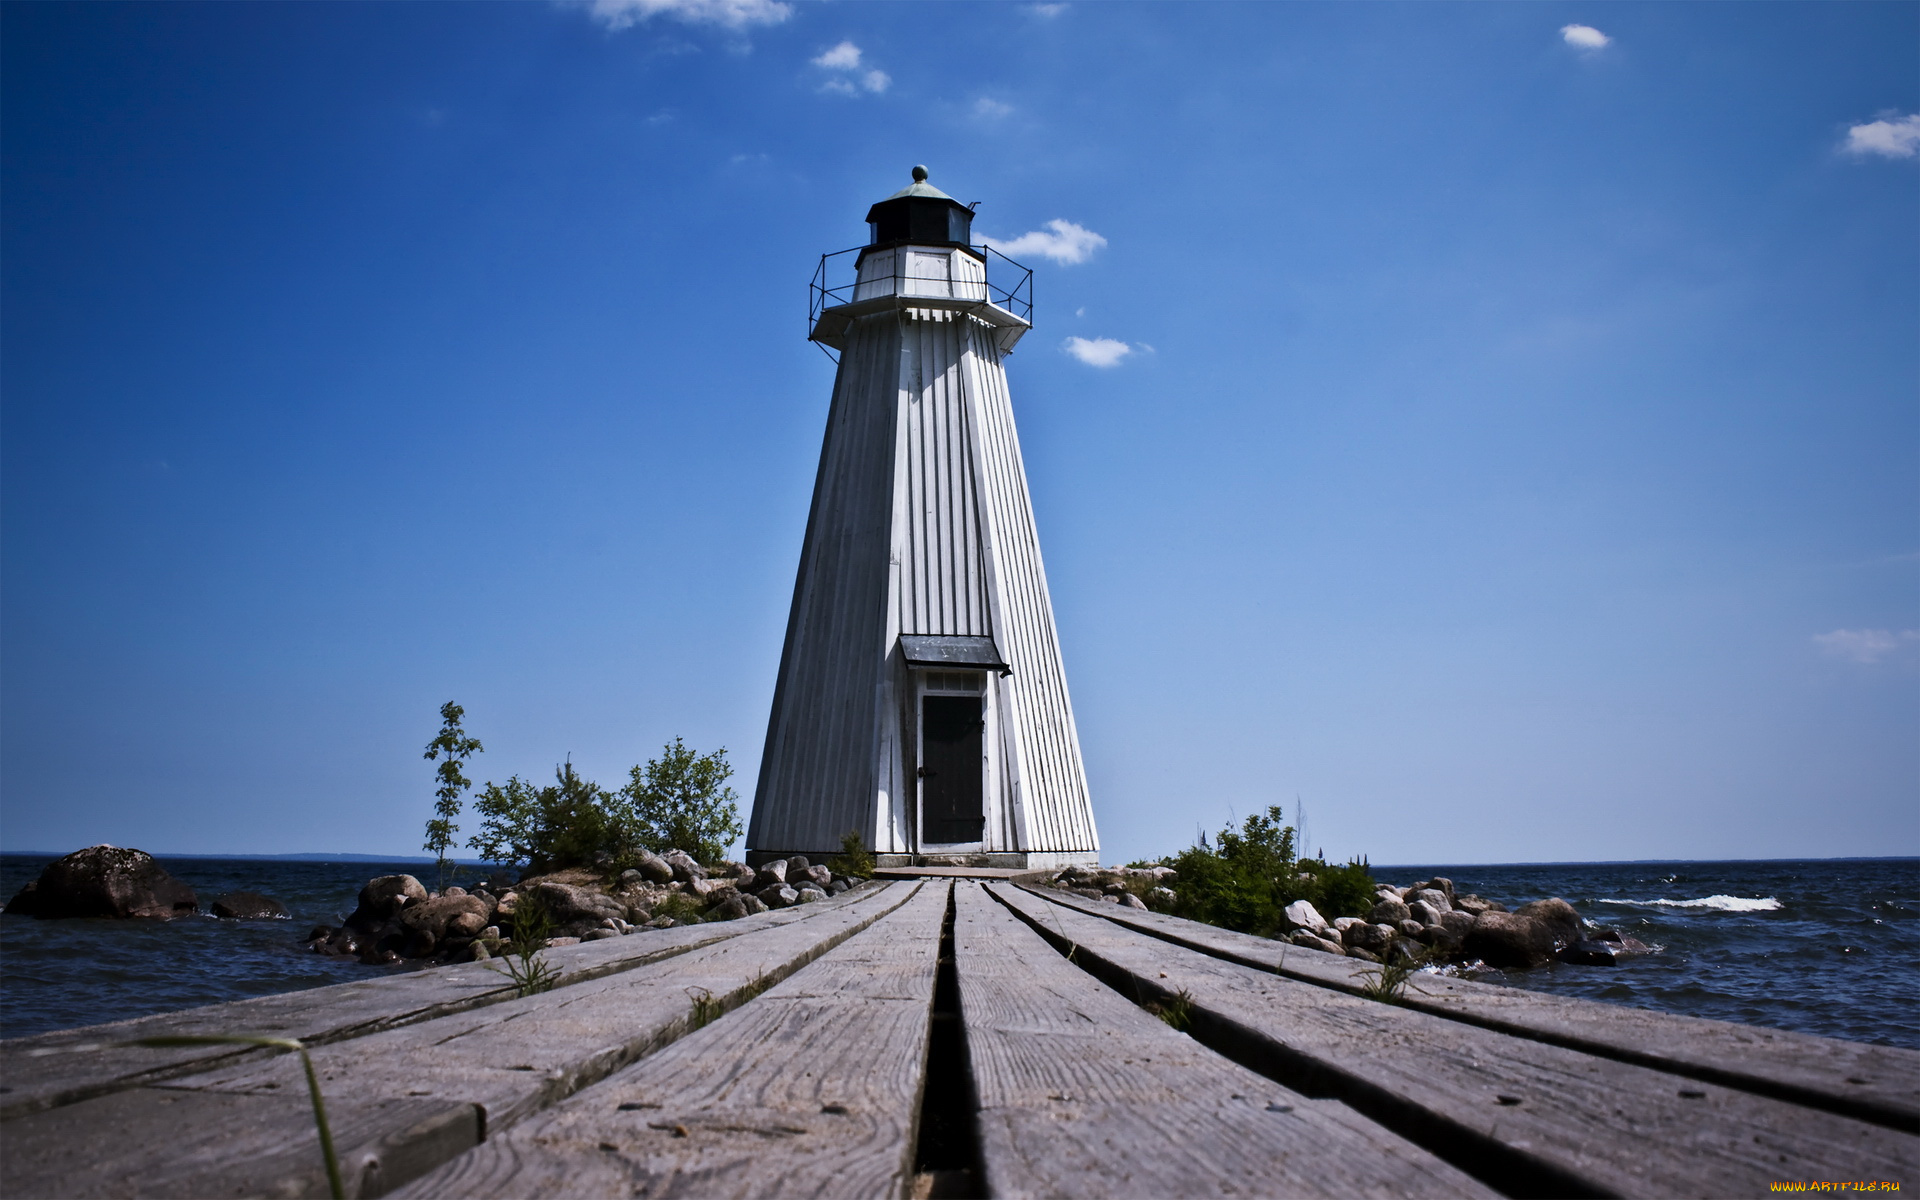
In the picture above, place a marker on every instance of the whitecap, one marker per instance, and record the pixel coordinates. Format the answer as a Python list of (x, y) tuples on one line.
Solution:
[(1716, 903)]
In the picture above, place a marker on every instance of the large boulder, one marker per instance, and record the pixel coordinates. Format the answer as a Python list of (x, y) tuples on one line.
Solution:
[(383, 898), (1509, 940), (1425, 913), (1374, 939), (445, 917), (774, 874), (684, 868), (1389, 912), (1301, 914), (1476, 905), (1559, 918), (247, 906), (1433, 898), (570, 905), (105, 881), (654, 868), (1590, 953)]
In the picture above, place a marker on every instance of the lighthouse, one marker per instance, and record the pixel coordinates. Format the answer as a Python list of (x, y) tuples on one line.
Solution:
[(922, 700)]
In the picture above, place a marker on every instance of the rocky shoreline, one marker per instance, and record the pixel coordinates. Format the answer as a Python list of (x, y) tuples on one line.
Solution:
[(398, 918), (1420, 923)]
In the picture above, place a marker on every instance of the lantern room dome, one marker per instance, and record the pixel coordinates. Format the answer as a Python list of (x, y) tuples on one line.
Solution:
[(922, 214)]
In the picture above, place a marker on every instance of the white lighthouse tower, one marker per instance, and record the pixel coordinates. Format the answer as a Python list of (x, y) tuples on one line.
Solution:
[(922, 702)]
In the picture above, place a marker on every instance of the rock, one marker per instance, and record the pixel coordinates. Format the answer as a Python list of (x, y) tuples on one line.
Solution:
[(684, 868), (247, 906), (1442, 940), (509, 902), (1439, 884), (1508, 940), (774, 874), (821, 876), (631, 878), (1314, 942), (1588, 952), (105, 881), (1559, 918), (1416, 930), (1161, 897), (1433, 898), (662, 923), (377, 957), (1371, 938), (639, 914), (1301, 914), (810, 894), (797, 864), (778, 897), (754, 904), (567, 904), (1389, 912), (1110, 899), (478, 951), (442, 918), (1471, 903), (1456, 924), (599, 935), (1129, 900), (383, 898), (730, 909), (1362, 955), (653, 868), (1405, 952), (838, 886), (556, 942), (709, 889), (1425, 913)]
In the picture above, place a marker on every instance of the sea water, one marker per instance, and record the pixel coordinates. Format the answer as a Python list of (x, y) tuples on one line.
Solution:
[(1828, 946)]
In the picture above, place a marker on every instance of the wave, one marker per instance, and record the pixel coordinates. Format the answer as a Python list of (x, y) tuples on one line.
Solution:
[(1716, 903)]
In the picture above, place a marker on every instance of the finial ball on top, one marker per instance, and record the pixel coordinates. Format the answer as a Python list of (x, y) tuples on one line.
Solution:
[(919, 174)]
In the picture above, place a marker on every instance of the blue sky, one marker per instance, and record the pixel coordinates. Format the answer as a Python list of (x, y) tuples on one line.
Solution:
[(1493, 426)]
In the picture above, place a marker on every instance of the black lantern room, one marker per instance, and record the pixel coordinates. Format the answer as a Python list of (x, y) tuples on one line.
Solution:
[(921, 214)]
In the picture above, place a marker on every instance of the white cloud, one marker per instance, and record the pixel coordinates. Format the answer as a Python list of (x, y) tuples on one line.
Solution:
[(1062, 241), (1097, 352), (729, 14), (1046, 10), (847, 57), (1895, 138), (991, 109), (1864, 645), (844, 57), (1586, 37)]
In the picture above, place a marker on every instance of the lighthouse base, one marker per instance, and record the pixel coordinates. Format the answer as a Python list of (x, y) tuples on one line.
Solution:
[(1017, 860)]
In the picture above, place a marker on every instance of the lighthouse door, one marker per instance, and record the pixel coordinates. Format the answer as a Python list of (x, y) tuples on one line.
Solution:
[(952, 753)]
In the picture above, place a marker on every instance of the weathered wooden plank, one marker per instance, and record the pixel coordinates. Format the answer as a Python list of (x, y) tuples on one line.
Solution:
[(68, 1065), (1530, 1115), (499, 1062), (1083, 1094), (813, 1089), (1875, 1083), (221, 1145)]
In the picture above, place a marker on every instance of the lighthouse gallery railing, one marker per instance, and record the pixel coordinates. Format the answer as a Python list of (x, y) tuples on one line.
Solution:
[(1004, 283)]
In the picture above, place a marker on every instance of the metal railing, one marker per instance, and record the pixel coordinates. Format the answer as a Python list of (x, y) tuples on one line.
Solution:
[(836, 281)]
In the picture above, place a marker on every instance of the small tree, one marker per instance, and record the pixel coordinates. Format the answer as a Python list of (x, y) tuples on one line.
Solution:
[(568, 823), (679, 801), (1248, 876), (452, 747)]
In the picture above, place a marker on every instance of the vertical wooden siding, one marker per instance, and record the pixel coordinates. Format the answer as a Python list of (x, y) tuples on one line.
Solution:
[(921, 524)]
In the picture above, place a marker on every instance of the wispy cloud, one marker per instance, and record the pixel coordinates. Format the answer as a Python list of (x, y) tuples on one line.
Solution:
[(847, 59), (1865, 645), (1046, 11), (728, 14), (1097, 352), (844, 57), (1584, 37), (991, 109), (1893, 137), (1062, 241)]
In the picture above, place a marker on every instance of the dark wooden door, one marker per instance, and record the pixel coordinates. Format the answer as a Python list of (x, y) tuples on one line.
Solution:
[(952, 733)]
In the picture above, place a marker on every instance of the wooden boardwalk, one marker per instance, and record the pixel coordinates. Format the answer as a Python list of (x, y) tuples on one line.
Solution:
[(951, 1036)]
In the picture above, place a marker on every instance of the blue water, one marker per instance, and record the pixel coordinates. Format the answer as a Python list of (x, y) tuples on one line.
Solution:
[(1827, 947)]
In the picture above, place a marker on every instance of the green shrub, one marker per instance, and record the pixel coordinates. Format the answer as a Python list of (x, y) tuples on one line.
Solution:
[(676, 801), (1248, 877), (854, 857)]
